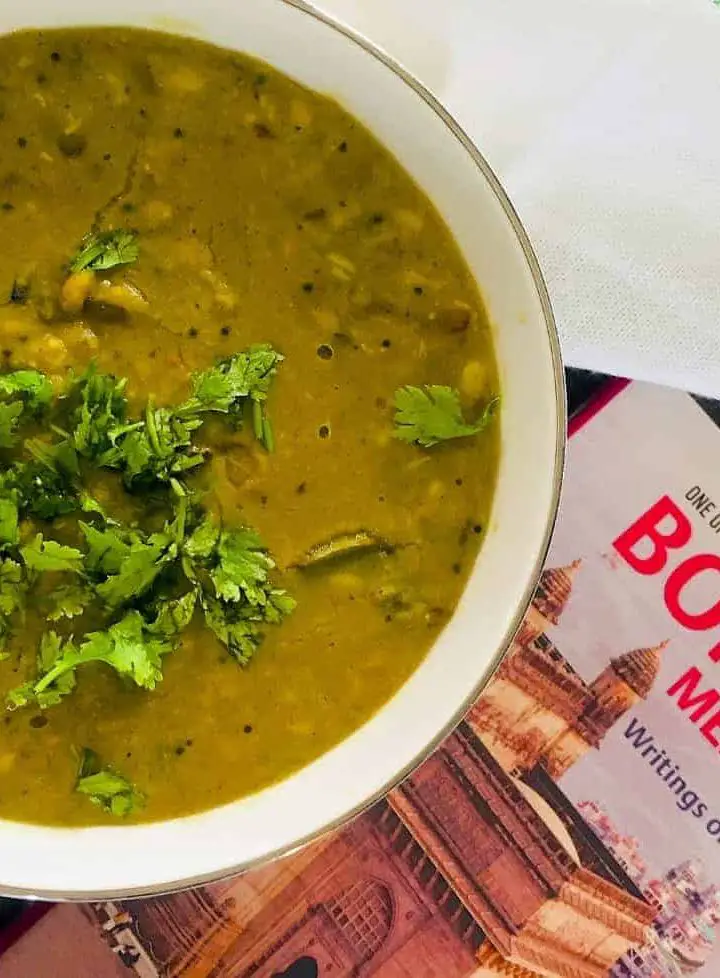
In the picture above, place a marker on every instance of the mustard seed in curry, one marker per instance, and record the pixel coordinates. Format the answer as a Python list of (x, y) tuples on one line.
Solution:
[(247, 448)]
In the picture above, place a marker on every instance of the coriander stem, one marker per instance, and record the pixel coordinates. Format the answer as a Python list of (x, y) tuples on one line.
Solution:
[(181, 517), (257, 418), (178, 488), (152, 428), (268, 435), (49, 678)]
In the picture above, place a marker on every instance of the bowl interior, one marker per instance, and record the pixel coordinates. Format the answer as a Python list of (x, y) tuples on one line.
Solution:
[(96, 862)]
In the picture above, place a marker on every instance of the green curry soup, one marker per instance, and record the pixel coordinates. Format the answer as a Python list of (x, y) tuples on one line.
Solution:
[(247, 447)]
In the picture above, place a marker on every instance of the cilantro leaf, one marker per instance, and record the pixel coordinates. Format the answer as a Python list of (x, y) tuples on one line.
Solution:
[(21, 390), (155, 450), (242, 567), (138, 571), (8, 518), (13, 587), (88, 504), (203, 540), (225, 385), (69, 601), (32, 386), (431, 414), (105, 787), (242, 600), (10, 414), (174, 616), (128, 560), (107, 549), (102, 409), (126, 646), (59, 457), (236, 628), (105, 249), (42, 491), (48, 555), (231, 383), (50, 650), (278, 605)]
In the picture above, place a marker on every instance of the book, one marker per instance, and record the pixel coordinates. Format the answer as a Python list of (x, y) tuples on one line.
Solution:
[(569, 827)]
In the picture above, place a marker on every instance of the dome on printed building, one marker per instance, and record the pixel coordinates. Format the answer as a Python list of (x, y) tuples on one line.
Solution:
[(639, 669), (553, 591)]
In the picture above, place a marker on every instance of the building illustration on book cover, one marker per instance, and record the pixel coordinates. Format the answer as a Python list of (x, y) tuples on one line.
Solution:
[(478, 865)]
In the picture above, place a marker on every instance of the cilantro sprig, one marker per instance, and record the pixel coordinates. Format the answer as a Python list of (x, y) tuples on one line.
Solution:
[(226, 573), (105, 787), (158, 446), (144, 585), (102, 250), (427, 415), (22, 393)]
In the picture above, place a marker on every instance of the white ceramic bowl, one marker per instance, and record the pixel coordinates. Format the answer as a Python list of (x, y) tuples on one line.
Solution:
[(96, 863)]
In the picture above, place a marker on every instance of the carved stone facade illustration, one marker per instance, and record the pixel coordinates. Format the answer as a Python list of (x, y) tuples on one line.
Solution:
[(538, 708), (463, 871)]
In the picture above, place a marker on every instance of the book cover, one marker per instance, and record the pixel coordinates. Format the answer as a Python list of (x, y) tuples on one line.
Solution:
[(569, 828)]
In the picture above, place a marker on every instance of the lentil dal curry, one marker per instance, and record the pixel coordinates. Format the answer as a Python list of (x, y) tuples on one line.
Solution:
[(247, 446)]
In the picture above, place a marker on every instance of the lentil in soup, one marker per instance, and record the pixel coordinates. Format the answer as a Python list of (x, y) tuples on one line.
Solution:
[(247, 450)]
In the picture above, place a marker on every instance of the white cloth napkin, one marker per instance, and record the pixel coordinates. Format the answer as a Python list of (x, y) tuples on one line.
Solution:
[(602, 119)]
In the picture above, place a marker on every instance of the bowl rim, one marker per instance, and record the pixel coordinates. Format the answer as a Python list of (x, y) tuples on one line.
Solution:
[(456, 130)]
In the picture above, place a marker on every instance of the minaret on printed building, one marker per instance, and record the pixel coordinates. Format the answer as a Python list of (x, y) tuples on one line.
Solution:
[(626, 681), (538, 708), (551, 597)]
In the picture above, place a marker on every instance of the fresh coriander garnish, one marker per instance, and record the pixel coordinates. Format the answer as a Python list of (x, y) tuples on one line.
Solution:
[(105, 787), (50, 651), (13, 588), (48, 555), (103, 250), (32, 386), (69, 601), (427, 415), (126, 646), (224, 387), (142, 587), (102, 410), (20, 392)]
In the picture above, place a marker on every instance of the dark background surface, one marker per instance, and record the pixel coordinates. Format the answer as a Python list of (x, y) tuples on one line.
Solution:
[(582, 386)]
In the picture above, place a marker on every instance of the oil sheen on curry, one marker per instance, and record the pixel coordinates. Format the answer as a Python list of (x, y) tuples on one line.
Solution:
[(248, 426)]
